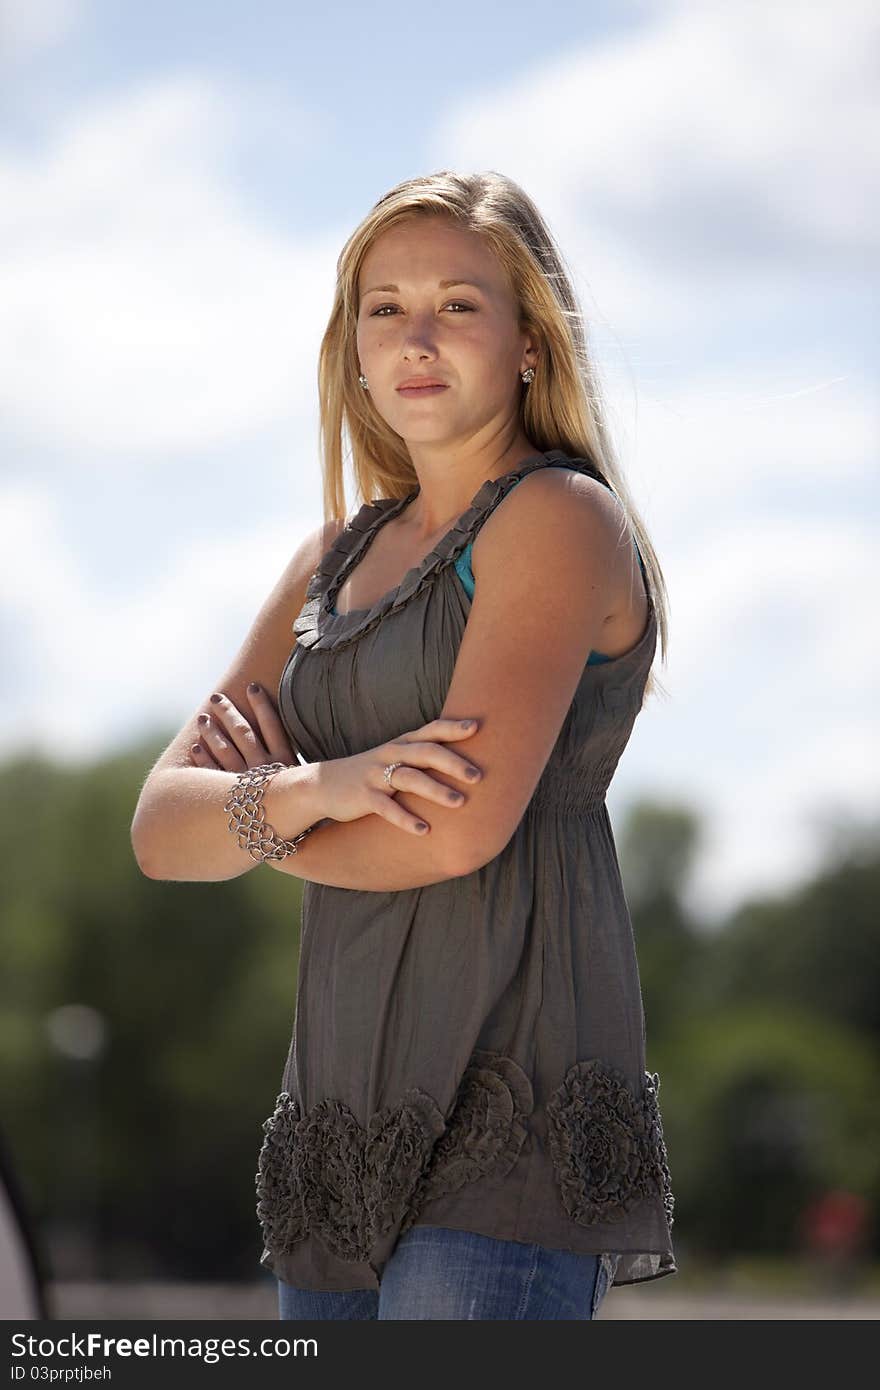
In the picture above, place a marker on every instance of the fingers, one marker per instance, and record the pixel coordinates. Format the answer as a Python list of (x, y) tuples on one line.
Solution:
[(446, 728), (413, 754), (231, 741), (271, 727), (214, 749), (239, 729), (202, 756), (410, 779), (393, 812), (227, 733), (437, 756)]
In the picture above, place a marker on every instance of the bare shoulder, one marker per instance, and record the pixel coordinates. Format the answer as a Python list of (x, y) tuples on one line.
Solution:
[(549, 494), (308, 556), (267, 644), (550, 516)]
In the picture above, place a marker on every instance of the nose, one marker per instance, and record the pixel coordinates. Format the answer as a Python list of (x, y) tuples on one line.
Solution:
[(418, 341), (415, 347)]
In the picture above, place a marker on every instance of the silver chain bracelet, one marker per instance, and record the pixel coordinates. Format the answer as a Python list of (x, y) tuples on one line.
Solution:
[(248, 818)]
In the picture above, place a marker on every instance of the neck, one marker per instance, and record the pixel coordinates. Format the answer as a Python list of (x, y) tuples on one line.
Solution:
[(442, 498)]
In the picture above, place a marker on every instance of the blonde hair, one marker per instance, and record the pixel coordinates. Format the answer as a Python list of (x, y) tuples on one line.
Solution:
[(561, 409)]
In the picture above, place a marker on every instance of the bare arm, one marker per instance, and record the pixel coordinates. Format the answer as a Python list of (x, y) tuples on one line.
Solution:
[(375, 856), (311, 795), (180, 830), (188, 829), (368, 853)]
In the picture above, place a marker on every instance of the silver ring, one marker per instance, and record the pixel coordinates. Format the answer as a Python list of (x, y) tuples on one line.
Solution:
[(389, 773)]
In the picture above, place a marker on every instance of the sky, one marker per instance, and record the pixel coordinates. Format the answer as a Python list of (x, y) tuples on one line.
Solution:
[(176, 182)]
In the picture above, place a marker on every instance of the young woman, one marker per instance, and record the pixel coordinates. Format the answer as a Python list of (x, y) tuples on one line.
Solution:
[(465, 1127)]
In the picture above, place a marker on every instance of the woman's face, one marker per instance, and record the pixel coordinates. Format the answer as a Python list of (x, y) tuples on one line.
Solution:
[(465, 335)]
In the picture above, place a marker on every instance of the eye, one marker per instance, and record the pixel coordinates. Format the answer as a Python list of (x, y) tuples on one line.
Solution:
[(459, 303)]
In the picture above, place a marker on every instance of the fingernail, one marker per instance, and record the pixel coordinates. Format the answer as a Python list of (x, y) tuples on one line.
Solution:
[(468, 723), (196, 748), (215, 699), (421, 825), (204, 719), (471, 773)]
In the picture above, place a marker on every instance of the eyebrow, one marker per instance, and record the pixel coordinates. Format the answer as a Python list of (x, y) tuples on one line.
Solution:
[(441, 285)]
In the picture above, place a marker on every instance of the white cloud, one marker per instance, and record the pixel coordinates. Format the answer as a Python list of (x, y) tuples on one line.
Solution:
[(766, 821), (773, 684), (142, 308), (103, 665), (766, 436), (30, 26), (723, 151)]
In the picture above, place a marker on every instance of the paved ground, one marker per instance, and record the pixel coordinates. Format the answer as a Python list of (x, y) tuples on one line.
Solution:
[(257, 1301)]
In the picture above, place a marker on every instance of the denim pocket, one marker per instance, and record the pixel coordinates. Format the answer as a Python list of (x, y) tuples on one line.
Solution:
[(604, 1279)]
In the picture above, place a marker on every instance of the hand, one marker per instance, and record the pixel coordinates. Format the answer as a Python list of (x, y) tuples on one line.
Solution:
[(234, 742), (354, 787)]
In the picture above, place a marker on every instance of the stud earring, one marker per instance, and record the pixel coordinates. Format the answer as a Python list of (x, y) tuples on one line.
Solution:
[(363, 381)]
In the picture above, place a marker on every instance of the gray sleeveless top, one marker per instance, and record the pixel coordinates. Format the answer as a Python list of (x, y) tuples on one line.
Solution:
[(469, 1053)]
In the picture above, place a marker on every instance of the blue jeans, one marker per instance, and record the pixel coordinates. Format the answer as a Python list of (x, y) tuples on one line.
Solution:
[(438, 1273)]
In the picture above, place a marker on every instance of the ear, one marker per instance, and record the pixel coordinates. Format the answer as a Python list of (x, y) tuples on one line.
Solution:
[(531, 350)]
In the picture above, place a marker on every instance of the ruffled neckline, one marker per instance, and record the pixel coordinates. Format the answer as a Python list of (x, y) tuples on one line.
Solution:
[(318, 627)]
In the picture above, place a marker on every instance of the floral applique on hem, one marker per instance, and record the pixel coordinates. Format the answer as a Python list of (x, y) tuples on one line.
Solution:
[(607, 1145), (323, 1171)]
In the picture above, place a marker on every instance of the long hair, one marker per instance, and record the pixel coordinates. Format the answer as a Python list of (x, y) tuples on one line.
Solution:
[(562, 408)]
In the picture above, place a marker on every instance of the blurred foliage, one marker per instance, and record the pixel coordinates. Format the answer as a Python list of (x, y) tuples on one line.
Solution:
[(195, 983), (765, 1032)]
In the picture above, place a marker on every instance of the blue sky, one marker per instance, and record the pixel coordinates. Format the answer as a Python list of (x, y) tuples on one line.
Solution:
[(176, 181)]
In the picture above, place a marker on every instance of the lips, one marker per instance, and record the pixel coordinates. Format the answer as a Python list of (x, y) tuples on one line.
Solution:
[(419, 382)]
